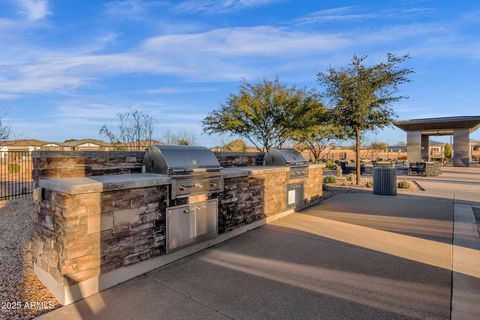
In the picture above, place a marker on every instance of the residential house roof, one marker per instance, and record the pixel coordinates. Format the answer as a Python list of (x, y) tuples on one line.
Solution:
[(75, 143), (26, 142)]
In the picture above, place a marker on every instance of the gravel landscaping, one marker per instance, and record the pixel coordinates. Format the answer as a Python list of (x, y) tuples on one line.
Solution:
[(22, 295)]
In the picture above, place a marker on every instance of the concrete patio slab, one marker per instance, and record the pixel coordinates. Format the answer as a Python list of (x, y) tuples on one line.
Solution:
[(139, 298), (372, 266)]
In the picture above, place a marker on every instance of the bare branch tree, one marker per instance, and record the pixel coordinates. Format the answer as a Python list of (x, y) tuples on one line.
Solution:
[(5, 131), (135, 131), (181, 138)]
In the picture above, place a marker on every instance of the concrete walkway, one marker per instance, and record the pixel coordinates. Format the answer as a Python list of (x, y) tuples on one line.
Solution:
[(355, 256)]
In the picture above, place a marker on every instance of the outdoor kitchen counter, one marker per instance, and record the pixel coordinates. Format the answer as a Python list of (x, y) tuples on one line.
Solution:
[(81, 185)]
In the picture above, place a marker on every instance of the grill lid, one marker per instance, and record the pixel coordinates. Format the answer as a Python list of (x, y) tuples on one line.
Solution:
[(284, 157), (175, 159)]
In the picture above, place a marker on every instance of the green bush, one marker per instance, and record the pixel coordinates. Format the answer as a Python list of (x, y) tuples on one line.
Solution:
[(404, 185), (351, 177), (13, 168), (330, 165), (330, 179)]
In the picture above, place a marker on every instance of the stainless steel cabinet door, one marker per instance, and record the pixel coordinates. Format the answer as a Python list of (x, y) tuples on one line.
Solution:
[(189, 224), (181, 226)]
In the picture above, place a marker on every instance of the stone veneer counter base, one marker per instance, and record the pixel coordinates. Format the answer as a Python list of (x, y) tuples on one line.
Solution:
[(69, 294)]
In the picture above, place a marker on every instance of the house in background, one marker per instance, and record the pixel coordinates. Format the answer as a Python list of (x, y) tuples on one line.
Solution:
[(401, 147), (29, 145), (437, 151), (475, 149), (85, 145), (26, 145)]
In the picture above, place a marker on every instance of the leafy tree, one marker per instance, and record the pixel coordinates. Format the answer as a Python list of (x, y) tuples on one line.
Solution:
[(377, 147), (264, 113), (134, 131), (236, 145), (316, 131), (447, 151), (361, 96)]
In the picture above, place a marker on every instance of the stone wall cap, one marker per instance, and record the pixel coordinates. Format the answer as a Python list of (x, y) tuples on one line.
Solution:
[(234, 172), (96, 184), (85, 154)]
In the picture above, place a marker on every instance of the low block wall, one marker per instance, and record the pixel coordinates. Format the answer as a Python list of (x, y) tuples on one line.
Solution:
[(63, 164), (240, 159)]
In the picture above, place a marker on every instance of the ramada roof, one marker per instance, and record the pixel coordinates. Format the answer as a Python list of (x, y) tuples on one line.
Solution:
[(444, 125)]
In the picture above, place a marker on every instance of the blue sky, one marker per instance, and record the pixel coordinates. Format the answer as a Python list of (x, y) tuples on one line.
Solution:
[(68, 67)]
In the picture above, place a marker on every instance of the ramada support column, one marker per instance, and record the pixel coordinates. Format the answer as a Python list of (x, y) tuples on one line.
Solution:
[(461, 147), (414, 146), (425, 153)]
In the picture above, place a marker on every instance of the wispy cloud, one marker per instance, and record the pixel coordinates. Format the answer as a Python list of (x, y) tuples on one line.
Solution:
[(221, 54), (353, 13), (132, 9), (176, 90), (334, 14), (33, 9), (219, 6)]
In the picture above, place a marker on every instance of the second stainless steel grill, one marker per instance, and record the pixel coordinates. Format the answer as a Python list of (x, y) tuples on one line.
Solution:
[(290, 158)]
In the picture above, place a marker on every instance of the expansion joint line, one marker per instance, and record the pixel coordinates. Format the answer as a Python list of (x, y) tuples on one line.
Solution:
[(192, 298), (451, 254)]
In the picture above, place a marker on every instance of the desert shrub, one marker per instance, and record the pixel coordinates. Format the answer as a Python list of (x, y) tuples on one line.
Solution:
[(330, 179), (330, 165), (13, 168), (403, 185), (350, 177), (368, 183)]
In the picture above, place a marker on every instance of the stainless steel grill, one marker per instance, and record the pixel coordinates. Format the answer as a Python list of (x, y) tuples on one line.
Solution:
[(194, 170), (290, 158)]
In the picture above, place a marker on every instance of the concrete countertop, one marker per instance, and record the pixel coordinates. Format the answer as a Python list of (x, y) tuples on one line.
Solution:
[(104, 183)]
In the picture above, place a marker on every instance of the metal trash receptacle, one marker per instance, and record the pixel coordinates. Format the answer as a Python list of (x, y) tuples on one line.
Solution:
[(384, 181)]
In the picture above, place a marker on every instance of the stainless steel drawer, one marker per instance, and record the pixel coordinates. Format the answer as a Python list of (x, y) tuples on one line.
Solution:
[(189, 224), (187, 187)]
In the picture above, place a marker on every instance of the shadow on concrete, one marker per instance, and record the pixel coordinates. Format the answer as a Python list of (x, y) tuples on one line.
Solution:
[(300, 268), (270, 273)]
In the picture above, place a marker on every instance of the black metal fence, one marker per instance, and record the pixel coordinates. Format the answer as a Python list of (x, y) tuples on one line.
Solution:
[(15, 174)]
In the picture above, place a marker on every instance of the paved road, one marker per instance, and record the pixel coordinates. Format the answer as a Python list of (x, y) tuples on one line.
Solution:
[(461, 184), (355, 256)]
